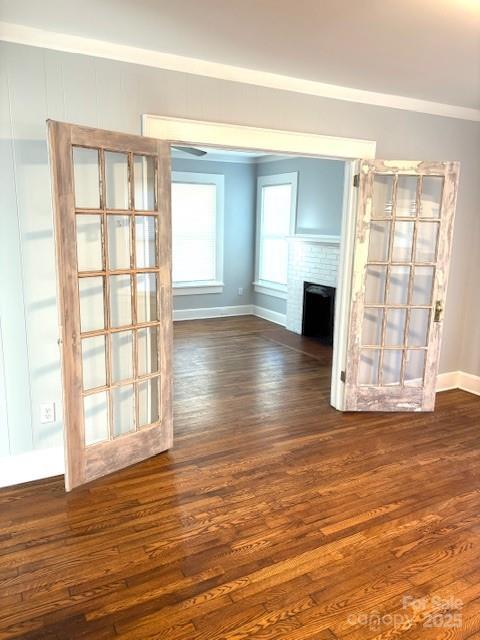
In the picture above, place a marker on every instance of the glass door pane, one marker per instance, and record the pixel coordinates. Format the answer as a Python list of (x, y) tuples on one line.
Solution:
[(402, 241), (422, 289), (369, 367), (372, 326), (122, 355), (432, 191), (146, 297), (391, 368), (118, 242), (382, 206), (399, 280), (146, 241), (89, 243), (92, 313), (395, 327), (426, 247), (86, 176), (120, 301), (147, 350), (414, 367), (144, 182), (123, 410), (406, 196), (379, 241), (95, 415), (116, 180), (148, 402), (93, 362), (418, 326), (376, 277)]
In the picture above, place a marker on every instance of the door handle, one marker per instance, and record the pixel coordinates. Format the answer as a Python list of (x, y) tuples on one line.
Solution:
[(438, 311)]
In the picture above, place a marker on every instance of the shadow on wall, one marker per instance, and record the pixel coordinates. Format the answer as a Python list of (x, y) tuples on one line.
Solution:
[(28, 297)]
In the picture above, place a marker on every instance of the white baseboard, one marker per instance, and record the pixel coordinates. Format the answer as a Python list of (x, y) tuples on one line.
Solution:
[(223, 312), (469, 382), (212, 312), (448, 380), (458, 380), (32, 465), (267, 314)]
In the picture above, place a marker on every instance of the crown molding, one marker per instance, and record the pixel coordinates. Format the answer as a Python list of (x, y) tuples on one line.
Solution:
[(31, 36)]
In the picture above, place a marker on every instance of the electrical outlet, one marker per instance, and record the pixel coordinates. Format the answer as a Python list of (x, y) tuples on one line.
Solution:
[(47, 412), (240, 291)]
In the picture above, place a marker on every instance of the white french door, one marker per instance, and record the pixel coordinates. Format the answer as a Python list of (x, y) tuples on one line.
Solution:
[(402, 250)]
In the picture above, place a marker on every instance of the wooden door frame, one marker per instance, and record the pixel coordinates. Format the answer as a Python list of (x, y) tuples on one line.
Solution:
[(350, 150)]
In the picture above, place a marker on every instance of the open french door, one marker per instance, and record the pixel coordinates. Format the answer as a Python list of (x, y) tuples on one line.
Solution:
[(111, 195), (402, 250)]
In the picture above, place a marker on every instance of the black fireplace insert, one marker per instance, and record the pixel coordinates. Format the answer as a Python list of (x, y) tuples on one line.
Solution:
[(318, 311)]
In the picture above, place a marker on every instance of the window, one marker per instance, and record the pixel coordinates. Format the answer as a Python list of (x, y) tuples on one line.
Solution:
[(197, 230), (276, 211)]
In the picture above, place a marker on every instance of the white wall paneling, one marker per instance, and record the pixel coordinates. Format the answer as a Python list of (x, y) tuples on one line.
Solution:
[(22, 34)]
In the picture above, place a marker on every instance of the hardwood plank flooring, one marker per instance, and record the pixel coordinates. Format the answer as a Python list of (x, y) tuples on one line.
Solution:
[(273, 516)]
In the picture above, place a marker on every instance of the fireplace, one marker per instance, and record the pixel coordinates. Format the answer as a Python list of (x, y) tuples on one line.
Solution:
[(312, 260), (318, 311)]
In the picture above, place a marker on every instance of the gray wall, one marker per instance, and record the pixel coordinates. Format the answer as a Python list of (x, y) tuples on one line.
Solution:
[(36, 84), (319, 210), (239, 233), (320, 192)]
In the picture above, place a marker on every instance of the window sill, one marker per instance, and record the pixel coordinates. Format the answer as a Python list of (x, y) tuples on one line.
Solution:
[(271, 289), (196, 288)]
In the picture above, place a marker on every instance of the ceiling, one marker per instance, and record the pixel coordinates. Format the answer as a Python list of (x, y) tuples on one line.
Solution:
[(222, 155), (428, 49)]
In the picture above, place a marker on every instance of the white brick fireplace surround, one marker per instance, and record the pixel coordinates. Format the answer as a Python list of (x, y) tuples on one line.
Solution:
[(310, 259)]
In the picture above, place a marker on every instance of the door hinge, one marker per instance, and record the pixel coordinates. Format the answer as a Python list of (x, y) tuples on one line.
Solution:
[(438, 311), (356, 180), (342, 376)]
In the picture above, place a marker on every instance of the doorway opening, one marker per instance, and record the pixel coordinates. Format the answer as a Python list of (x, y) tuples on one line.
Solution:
[(194, 133), (258, 233)]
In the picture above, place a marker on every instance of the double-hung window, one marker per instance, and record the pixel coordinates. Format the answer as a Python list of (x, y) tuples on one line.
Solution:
[(197, 232), (276, 212)]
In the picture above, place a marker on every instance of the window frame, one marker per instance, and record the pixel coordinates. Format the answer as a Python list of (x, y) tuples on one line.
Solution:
[(216, 285), (260, 285)]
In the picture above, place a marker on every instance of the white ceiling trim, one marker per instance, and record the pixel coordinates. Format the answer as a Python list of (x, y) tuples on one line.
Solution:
[(21, 34)]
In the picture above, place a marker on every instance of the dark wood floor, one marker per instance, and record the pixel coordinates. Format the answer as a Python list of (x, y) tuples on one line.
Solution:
[(274, 516)]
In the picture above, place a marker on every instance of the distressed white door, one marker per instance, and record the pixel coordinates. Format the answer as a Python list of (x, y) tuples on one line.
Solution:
[(402, 250)]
